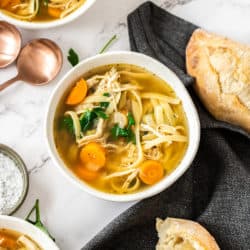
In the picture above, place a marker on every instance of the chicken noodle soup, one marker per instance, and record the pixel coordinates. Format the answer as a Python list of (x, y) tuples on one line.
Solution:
[(121, 129), (12, 240), (39, 10)]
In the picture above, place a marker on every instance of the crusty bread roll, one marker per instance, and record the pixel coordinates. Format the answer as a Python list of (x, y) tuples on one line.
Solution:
[(221, 68), (179, 234)]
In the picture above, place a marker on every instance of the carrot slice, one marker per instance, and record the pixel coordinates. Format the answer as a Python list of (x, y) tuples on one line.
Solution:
[(93, 156), (151, 172), (54, 12), (4, 3), (86, 174), (78, 93), (8, 3)]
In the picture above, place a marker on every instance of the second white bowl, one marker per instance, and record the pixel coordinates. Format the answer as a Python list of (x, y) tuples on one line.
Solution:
[(48, 24), (23, 227)]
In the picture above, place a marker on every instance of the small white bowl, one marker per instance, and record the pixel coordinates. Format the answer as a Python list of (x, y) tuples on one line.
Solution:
[(48, 24), (153, 66), (23, 227)]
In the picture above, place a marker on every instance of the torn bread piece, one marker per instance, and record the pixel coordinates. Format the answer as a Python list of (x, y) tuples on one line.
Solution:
[(180, 234), (221, 68)]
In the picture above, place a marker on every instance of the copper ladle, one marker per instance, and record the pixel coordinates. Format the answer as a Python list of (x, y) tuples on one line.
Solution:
[(10, 44), (39, 63)]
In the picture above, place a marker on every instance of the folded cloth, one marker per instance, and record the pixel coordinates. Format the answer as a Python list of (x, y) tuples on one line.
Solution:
[(215, 191)]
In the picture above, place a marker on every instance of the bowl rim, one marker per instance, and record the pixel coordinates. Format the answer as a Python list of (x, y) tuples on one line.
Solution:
[(23, 227), (191, 114), (48, 24)]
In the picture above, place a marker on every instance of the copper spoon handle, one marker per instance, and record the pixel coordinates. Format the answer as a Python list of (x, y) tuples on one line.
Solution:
[(8, 83)]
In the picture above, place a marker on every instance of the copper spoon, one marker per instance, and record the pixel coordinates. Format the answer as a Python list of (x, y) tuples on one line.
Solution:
[(10, 43), (39, 63)]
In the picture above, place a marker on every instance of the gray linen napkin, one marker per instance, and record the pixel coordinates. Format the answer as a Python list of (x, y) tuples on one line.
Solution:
[(215, 191)]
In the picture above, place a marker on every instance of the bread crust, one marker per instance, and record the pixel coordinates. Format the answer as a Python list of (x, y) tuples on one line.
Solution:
[(187, 230), (221, 68)]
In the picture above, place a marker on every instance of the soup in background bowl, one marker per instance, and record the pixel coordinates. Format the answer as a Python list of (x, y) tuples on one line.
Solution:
[(10, 239), (39, 14), (120, 125), (21, 235)]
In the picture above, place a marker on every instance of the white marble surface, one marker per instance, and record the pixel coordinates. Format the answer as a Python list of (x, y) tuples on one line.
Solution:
[(73, 216)]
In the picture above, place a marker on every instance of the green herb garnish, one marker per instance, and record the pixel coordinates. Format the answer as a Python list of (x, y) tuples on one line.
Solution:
[(105, 105), (117, 132), (100, 113), (87, 120), (131, 120), (73, 57), (105, 47), (67, 123), (38, 223), (127, 133)]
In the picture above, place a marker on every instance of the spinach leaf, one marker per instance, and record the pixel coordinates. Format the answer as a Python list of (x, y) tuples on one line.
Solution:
[(73, 57), (87, 120), (67, 123), (38, 223)]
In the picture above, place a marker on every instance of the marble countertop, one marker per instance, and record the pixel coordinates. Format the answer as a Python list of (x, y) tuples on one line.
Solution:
[(72, 216)]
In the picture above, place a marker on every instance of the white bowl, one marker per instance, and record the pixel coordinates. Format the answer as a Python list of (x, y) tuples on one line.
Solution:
[(153, 66), (28, 229), (48, 24)]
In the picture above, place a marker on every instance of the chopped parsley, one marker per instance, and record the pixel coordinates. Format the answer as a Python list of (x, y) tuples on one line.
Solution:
[(73, 58), (105, 105), (127, 132)]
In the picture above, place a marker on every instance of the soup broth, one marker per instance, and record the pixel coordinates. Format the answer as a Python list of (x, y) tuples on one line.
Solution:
[(138, 135), (12, 240), (39, 10)]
